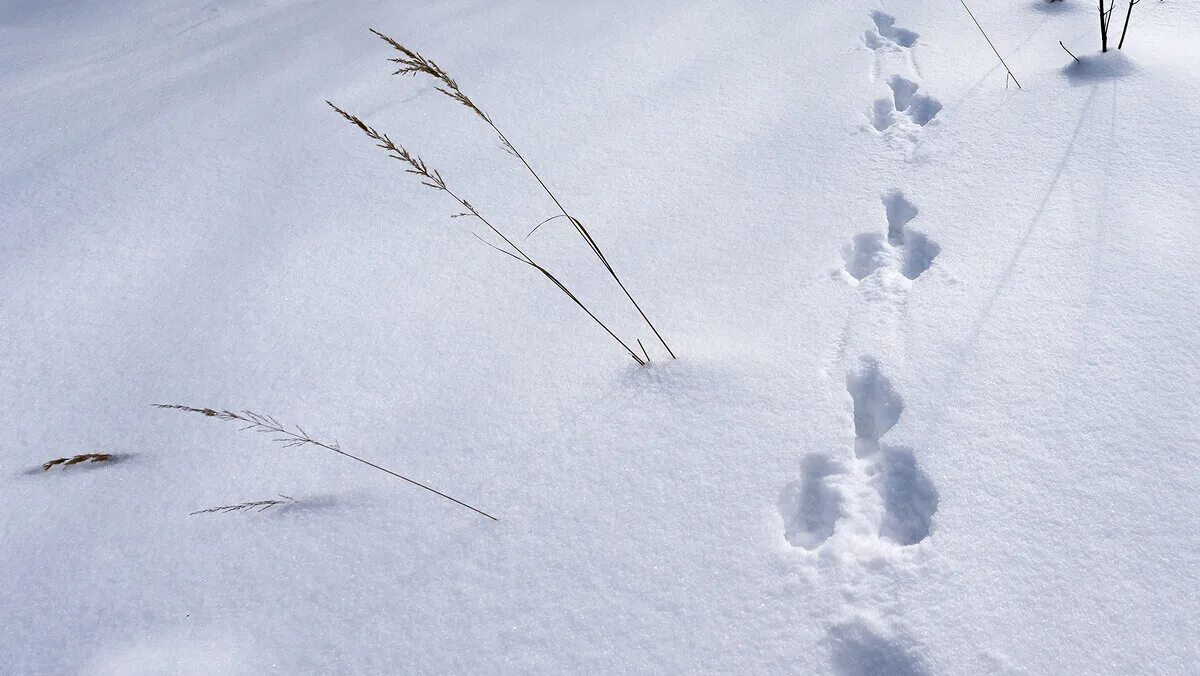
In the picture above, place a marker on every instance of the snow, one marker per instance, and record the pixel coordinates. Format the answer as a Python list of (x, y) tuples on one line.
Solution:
[(934, 407)]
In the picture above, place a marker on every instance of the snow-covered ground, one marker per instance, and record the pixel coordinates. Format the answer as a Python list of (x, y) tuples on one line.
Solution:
[(936, 408)]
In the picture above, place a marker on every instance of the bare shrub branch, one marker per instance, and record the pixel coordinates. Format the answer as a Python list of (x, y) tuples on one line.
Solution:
[(1126, 28)]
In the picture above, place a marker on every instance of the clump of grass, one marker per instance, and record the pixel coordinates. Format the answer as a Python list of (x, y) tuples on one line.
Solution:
[(76, 459), (432, 178), (267, 424), (413, 63), (257, 505)]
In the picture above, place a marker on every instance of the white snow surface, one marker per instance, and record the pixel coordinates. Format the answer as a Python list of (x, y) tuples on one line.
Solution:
[(936, 408)]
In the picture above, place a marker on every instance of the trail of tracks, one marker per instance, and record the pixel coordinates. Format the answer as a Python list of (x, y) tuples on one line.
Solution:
[(867, 509)]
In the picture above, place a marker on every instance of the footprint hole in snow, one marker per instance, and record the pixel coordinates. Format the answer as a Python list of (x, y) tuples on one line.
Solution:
[(909, 498), (885, 25), (811, 506), (902, 91), (859, 650), (877, 405), (899, 213), (919, 252), (922, 109), (866, 253), (883, 114)]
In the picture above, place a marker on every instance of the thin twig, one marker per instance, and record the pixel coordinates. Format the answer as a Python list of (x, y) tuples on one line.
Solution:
[(1060, 42), (269, 425), (1126, 28)]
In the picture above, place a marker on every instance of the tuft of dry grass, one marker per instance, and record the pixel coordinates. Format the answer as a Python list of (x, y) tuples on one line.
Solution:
[(267, 424), (432, 178), (76, 459), (257, 505), (411, 62)]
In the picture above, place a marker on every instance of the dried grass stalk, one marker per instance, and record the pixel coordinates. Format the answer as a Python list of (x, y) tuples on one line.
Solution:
[(258, 505), (76, 459), (432, 178), (267, 424), (412, 63)]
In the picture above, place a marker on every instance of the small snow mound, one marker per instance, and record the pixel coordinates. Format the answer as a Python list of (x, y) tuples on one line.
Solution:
[(1100, 67)]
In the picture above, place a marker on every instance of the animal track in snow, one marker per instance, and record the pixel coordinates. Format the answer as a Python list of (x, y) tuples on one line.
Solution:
[(887, 35), (901, 248), (906, 106), (811, 506), (906, 500), (875, 501), (876, 404), (909, 497), (892, 46), (861, 650)]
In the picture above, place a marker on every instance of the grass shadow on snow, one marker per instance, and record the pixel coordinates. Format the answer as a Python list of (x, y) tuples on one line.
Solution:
[(313, 503)]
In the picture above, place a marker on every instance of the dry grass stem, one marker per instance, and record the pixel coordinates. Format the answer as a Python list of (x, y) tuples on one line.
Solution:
[(257, 505), (75, 460), (993, 46), (432, 178), (267, 424), (413, 63)]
